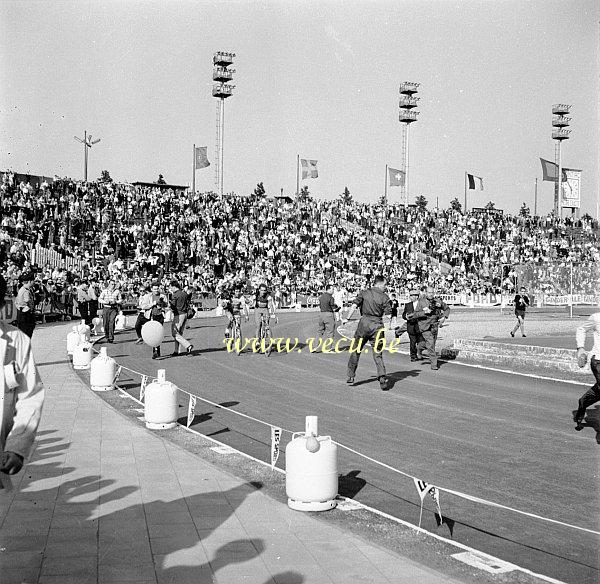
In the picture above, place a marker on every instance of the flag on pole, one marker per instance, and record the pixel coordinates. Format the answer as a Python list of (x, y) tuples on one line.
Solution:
[(423, 488), (309, 168), (275, 438), (396, 177), (475, 182), (550, 171), (200, 158)]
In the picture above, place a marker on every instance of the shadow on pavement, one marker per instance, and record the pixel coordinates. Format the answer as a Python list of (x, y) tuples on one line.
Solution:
[(91, 512)]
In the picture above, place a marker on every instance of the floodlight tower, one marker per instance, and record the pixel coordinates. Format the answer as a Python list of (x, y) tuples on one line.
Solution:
[(87, 144), (407, 116), (559, 133), (221, 90)]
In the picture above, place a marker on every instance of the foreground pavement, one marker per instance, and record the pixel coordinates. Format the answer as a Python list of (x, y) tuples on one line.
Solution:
[(105, 501)]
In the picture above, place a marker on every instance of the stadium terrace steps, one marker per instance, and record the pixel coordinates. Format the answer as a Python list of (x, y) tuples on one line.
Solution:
[(512, 355)]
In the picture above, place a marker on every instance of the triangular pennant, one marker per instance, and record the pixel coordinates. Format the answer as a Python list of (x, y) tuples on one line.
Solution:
[(191, 410), (275, 438)]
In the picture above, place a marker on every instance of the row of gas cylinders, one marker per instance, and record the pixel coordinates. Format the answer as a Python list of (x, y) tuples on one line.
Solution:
[(311, 460)]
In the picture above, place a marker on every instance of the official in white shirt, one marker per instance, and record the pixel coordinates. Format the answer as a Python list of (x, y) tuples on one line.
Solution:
[(592, 395)]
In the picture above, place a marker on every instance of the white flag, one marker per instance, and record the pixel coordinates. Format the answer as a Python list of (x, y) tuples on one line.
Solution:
[(435, 495), (191, 410), (422, 487), (143, 387), (275, 438)]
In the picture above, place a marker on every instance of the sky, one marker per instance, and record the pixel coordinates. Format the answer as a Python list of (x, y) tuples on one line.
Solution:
[(315, 79)]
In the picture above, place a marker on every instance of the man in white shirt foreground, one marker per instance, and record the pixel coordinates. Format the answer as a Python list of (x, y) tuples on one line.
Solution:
[(592, 395)]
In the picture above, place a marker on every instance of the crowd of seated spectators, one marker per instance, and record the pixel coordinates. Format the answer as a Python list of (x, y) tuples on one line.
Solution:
[(135, 234)]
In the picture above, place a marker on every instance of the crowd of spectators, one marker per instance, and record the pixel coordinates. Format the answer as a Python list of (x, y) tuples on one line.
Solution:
[(138, 234)]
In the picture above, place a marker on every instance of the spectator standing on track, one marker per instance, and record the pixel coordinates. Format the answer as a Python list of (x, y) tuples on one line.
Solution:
[(521, 304), (23, 397), (338, 298), (180, 303), (373, 303), (83, 301), (415, 305), (592, 395), (394, 314), (433, 314), (93, 294), (110, 298), (25, 305), (327, 310)]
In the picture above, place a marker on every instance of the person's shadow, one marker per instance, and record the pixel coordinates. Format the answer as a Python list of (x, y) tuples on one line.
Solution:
[(186, 539)]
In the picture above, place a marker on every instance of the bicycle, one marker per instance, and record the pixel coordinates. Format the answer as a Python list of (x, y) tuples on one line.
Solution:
[(265, 333)]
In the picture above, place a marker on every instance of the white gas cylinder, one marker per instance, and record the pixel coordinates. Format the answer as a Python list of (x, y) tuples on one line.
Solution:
[(102, 372), (84, 330), (120, 321), (160, 403), (82, 355), (73, 339), (97, 326), (311, 479)]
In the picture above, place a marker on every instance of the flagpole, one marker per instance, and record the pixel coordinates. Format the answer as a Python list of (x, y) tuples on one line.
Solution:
[(297, 175), (194, 172), (386, 182), (465, 192), (535, 198)]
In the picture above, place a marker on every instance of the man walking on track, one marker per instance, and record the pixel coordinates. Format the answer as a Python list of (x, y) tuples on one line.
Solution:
[(429, 319), (180, 303), (592, 395), (25, 305), (373, 303), (110, 300), (415, 305), (521, 304), (328, 308)]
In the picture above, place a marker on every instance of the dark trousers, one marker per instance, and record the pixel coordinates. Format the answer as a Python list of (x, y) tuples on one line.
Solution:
[(26, 322), (429, 340), (84, 311), (592, 395), (108, 319), (366, 331), (414, 337), (161, 319), (326, 325), (139, 323), (92, 310)]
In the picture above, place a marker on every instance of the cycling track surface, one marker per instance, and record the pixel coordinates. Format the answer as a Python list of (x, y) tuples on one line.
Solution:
[(504, 438)]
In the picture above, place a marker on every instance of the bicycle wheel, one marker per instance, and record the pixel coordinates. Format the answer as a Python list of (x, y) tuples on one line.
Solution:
[(269, 347), (237, 338)]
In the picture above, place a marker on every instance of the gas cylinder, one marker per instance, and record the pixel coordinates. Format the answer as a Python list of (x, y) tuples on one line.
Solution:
[(97, 326), (84, 330), (73, 339), (160, 403), (120, 321), (82, 355), (311, 479), (102, 372)]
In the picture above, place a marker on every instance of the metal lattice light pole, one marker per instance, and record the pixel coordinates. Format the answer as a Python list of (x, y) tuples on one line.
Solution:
[(221, 90), (87, 143), (407, 116), (559, 133)]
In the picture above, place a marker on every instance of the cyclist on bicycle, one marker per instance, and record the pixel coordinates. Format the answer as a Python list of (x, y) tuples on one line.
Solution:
[(263, 305)]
